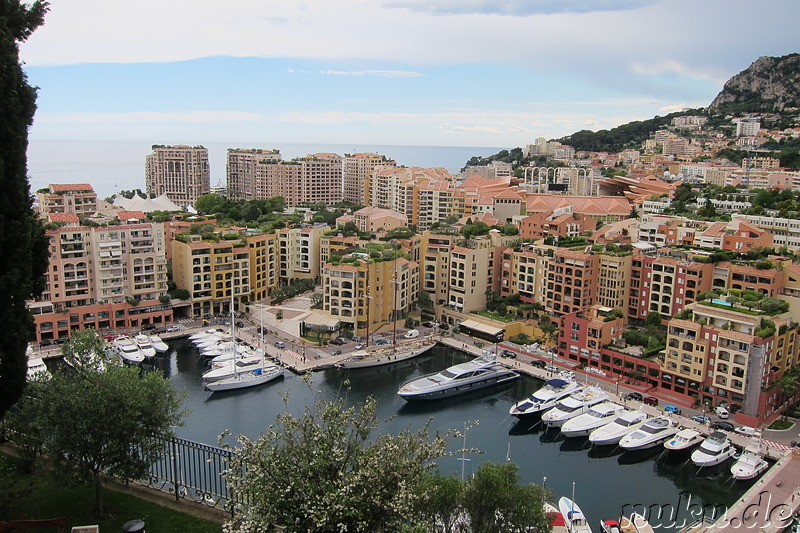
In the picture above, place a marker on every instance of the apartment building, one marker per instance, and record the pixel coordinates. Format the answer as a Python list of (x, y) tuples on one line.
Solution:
[(562, 222), (435, 265), (212, 272), (374, 219), (725, 355), (264, 260), (784, 231), (369, 293), (766, 281), (241, 170), (78, 198), (524, 272), (356, 170), (665, 285), (583, 333), (571, 281), (102, 277), (181, 172), (299, 252), (315, 178)]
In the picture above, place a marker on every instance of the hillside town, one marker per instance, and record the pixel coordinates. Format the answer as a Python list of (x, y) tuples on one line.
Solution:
[(667, 265)]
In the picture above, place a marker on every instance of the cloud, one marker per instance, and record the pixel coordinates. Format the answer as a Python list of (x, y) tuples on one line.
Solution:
[(515, 7), (378, 73), (672, 108), (149, 117)]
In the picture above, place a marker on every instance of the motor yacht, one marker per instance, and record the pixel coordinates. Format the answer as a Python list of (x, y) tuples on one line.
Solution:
[(544, 398), (683, 440), (473, 375), (127, 349), (654, 432), (751, 462), (37, 370), (573, 405), (574, 518), (158, 344), (557, 523), (143, 341), (597, 416), (715, 449), (627, 422)]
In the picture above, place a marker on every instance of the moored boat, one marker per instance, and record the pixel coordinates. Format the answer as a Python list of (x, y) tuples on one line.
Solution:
[(715, 449), (37, 370), (751, 462), (683, 440), (574, 518), (597, 416), (241, 380), (635, 524), (480, 373), (653, 433), (379, 355), (159, 344), (556, 519), (144, 344), (127, 349), (574, 405), (626, 423), (544, 398)]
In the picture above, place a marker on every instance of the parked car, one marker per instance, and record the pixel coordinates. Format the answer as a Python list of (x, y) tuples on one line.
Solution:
[(280, 344), (338, 341), (45, 342), (510, 354), (336, 352), (444, 326), (551, 368), (634, 396), (239, 324), (174, 327), (381, 342), (747, 431), (674, 409), (358, 338), (722, 425), (538, 363), (428, 324), (159, 331), (650, 400), (360, 346), (721, 411), (702, 419)]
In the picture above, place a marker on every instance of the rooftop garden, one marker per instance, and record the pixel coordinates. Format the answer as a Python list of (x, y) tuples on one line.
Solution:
[(743, 301)]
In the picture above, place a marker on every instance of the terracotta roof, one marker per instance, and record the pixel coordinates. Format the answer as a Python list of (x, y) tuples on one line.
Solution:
[(587, 205), (70, 218), (128, 215), (63, 187)]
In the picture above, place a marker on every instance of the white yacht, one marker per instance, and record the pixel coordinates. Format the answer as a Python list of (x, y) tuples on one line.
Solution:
[(127, 349), (715, 449), (143, 341), (241, 380), (574, 518), (544, 398), (479, 373), (627, 422), (654, 432), (574, 405), (597, 416), (37, 370), (203, 334), (212, 340), (683, 440), (384, 355), (751, 462), (231, 367), (158, 344)]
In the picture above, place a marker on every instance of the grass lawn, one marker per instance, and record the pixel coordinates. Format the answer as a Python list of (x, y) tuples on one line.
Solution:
[(41, 496), (494, 316), (781, 424)]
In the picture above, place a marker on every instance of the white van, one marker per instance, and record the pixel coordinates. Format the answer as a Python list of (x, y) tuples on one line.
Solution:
[(410, 334), (721, 412)]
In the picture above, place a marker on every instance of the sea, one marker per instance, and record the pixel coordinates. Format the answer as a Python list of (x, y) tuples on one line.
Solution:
[(605, 481), (113, 166)]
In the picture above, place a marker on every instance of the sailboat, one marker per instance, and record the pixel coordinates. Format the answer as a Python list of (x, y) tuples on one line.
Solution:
[(379, 355), (248, 378)]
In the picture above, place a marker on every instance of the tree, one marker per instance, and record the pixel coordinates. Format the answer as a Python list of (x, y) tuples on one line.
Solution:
[(495, 502), (212, 203), (23, 243), (324, 471), (440, 502), (112, 421)]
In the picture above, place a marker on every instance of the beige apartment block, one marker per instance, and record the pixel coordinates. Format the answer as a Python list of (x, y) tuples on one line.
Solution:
[(356, 170), (180, 172), (315, 179), (475, 267), (365, 295), (299, 252), (78, 198), (263, 265), (435, 264), (241, 170)]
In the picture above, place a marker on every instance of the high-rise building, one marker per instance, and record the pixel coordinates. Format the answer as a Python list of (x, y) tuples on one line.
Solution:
[(314, 179), (77, 198), (356, 170), (180, 172), (241, 170)]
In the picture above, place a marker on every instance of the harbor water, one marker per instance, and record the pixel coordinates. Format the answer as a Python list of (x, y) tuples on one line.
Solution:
[(606, 482)]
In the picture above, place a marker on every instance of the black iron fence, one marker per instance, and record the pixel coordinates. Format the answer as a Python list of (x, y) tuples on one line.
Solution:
[(193, 471)]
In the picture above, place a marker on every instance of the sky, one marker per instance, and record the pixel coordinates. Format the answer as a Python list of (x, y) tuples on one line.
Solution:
[(493, 73)]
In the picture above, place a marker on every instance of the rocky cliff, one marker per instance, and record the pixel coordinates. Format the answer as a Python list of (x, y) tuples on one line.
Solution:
[(769, 84)]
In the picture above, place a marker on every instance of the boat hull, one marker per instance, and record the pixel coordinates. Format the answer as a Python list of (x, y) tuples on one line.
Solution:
[(386, 357), (497, 379), (243, 380)]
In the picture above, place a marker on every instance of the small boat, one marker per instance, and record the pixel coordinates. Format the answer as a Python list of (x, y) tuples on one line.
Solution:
[(573, 516), (480, 373), (557, 524), (574, 405), (715, 449), (653, 433), (143, 341), (545, 398), (683, 440), (635, 524), (127, 349), (624, 424), (610, 526), (37, 370), (158, 344), (597, 416), (751, 462), (384, 355), (241, 380)]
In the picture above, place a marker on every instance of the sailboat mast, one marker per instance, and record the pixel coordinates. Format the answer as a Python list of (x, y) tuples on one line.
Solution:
[(394, 305), (368, 299)]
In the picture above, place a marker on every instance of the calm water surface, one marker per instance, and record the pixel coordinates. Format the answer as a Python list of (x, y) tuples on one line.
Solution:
[(605, 480)]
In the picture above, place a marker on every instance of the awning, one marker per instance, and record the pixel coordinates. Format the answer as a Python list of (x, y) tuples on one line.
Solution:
[(484, 328)]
